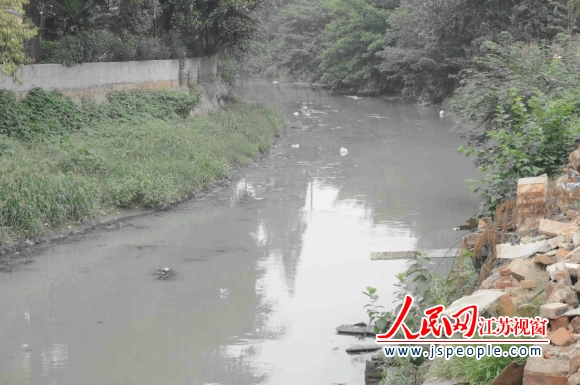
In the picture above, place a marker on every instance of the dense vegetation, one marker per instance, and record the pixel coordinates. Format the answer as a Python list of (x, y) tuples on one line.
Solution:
[(525, 104), (12, 34), (417, 47), (76, 31), (62, 162), (508, 69)]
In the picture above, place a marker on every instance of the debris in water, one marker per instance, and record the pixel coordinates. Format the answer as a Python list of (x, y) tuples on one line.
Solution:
[(343, 151), (354, 97), (472, 224), (357, 330), (164, 273), (275, 82), (363, 349), (441, 114), (295, 146), (296, 114)]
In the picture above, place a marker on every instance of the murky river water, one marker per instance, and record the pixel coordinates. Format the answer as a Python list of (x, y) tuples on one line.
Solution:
[(265, 270)]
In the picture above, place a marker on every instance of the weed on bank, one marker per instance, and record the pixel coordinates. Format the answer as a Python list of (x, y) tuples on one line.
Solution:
[(70, 162)]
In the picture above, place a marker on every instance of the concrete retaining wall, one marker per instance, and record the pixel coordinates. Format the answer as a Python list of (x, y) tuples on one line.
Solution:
[(96, 80)]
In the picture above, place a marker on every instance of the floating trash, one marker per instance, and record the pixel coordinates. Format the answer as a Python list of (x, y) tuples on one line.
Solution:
[(275, 82), (295, 146), (441, 114), (164, 273), (296, 114), (343, 151)]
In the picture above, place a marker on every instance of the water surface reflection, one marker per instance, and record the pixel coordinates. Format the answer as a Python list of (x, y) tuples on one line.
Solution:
[(265, 270)]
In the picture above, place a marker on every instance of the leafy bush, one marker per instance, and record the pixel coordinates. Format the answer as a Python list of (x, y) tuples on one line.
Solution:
[(43, 114), (48, 48), (86, 46), (226, 69), (102, 45), (13, 31), (177, 48), (428, 288), (150, 48), (526, 107)]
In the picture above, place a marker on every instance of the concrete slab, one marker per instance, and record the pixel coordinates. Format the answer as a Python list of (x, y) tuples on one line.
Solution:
[(509, 251), (390, 255), (482, 298), (572, 313)]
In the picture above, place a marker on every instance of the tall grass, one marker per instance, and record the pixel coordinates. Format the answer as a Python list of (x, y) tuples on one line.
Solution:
[(474, 371), (47, 181)]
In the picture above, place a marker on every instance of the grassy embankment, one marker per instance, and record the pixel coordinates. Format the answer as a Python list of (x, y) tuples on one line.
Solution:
[(60, 162)]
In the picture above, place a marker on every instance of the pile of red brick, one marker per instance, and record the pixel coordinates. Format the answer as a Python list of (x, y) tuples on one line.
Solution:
[(544, 264)]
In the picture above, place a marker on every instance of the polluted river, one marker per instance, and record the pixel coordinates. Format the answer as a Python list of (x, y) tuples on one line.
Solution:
[(261, 271)]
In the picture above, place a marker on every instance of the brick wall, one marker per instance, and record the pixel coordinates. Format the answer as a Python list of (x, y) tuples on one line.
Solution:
[(96, 80)]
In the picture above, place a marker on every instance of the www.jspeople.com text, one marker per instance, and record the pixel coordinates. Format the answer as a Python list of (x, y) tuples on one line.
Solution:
[(462, 351)]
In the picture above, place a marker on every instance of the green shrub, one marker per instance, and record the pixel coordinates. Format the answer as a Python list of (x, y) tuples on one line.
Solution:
[(102, 46), (48, 48), (47, 114), (150, 48), (524, 101), (41, 113), (86, 46)]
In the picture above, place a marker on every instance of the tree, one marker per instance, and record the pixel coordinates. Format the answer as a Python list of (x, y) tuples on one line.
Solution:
[(73, 16), (431, 41), (566, 14), (353, 40), (13, 33), (211, 26), (426, 44), (298, 39)]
